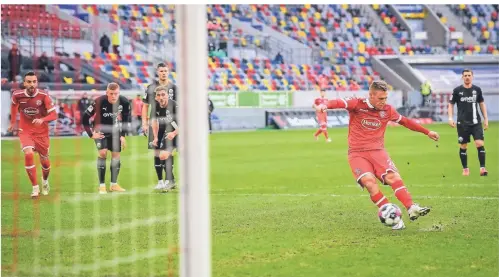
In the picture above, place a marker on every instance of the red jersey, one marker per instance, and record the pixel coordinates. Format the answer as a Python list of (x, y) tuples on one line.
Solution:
[(38, 105), (321, 116), (366, 129)]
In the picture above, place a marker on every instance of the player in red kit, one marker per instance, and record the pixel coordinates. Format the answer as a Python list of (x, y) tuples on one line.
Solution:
[(366, 153), (321, 116), (36, 110)]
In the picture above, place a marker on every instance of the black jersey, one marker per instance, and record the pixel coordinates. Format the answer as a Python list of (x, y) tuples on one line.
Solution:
[(467, 100), (110, 119), (171, 90), (165, 115)]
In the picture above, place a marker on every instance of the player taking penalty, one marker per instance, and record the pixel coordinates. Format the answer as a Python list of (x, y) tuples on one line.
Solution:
[(110, 126), (366, 151), (36, 110), (321, 116)]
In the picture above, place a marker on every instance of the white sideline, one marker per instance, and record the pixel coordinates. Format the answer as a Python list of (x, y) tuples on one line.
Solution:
[(114, 229), (77, 268)]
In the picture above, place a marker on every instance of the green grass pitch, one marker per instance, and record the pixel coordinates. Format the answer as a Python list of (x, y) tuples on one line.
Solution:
[(283, 205)]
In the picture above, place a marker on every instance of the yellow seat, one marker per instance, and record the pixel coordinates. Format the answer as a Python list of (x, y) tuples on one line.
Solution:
[(443, 19), (460, 41), (330, 45), (344, 6), (474, 20), (317, 15), (307, 6), (90, 80), (138, 57), (274, 19), (87, 56), (375, 7), (386, 20), (322, 29), (462, 6), (411, 53), (486, 34), (477, 48), (490, 24), (115, 74), (402, 49), (349, 25), (301, 25), (356, 21), (362, 60), (294, 19), (367, 34), (468, 52), (68, 80)]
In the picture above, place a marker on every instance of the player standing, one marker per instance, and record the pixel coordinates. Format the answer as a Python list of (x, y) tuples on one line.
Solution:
[(36, 110), (111, 124), (164, 125), (163, 71), (466, 96), (321, 116), (367, 156)]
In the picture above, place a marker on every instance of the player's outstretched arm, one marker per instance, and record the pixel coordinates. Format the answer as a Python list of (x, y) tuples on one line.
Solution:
[(414, 126), (450, 113)]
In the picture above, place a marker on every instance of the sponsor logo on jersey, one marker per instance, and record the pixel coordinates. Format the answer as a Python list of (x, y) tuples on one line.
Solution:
[(113, 115), (371, 123), (30, 111), (469, 99)]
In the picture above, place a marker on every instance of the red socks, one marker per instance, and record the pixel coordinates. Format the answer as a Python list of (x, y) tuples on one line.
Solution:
[(45, 168), (402, 194), (30, 167), (379, 199), (325, 134), (318, 132)]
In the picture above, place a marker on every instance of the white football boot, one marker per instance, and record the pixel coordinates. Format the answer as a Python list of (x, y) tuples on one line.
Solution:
[(36, 192), (416, 211), (160, 185), (399, 226), (45, 187)]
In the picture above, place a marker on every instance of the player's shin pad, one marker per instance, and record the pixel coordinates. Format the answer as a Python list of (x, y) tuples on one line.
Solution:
[(101, 169), (115, 170)]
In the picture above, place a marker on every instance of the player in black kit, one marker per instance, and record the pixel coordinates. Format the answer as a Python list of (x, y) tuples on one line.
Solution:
[(164, 124), (111, 124), (149, 99), (468, 97)]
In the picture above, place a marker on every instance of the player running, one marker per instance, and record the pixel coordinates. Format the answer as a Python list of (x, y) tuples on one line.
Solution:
[(164, 125), (36, 110), (321, 116), (466, 96), (367, 156), (163, 71), (110, 110)]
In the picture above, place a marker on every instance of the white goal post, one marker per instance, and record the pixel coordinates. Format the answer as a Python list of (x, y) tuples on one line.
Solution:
[(194, 202)]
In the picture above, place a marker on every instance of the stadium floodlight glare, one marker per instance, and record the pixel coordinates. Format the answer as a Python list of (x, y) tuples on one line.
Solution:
[(194, 203)]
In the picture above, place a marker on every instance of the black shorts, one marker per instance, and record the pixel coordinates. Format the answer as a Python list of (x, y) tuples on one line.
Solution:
[(465, 131), (111, 143), (163, 142)]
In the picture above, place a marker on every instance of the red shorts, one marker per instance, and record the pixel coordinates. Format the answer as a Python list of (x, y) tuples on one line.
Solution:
[(322, 121), (40, 143), (376, 162)]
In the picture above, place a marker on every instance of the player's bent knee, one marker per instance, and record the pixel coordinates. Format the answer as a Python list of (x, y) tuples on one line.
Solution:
[(28, 150), (163, 155), (369, 182), (463, 146), (479, 143), (391, 177), (103, 153), (115, 155)]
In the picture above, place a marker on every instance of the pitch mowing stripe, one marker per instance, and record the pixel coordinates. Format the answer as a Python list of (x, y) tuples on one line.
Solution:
[(75, 234), (99, 265), (354, 195)]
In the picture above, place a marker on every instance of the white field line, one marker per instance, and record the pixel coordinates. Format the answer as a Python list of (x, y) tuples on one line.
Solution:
[(78, 268), (114, 229), (354, 195)]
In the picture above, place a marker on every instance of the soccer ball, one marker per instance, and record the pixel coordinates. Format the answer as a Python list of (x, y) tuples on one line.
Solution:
[(390, 214)]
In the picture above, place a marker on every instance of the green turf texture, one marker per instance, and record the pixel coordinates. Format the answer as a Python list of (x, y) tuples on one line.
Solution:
[(282, 205)]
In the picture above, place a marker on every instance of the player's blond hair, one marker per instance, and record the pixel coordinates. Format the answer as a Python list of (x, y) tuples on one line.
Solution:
[(160, 88), (378, 85), (113, 86)]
